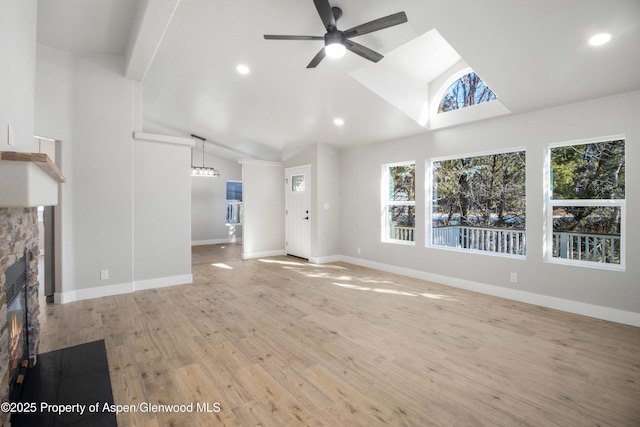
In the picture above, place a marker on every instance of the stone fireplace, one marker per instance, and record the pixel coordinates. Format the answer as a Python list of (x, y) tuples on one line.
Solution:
[(17, 278), (18, 238), (27, 180)]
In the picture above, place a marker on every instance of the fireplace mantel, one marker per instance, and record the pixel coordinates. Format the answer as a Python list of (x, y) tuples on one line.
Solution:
[(28, 180)]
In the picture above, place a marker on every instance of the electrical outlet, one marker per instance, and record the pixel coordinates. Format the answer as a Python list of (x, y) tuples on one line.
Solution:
[(104, 274), (358, 251), (514, 277)]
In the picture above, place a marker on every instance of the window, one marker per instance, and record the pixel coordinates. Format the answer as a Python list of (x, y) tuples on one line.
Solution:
[(234, 190), (234, 202), (466, 91), (586, 203), (399, 202), (478, 203), (297, 183)]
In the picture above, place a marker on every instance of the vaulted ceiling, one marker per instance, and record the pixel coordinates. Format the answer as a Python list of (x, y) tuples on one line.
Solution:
[(533, 54)]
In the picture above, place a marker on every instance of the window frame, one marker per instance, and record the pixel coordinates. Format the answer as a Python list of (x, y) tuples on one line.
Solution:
[(386, 203), (429, 189), (233, 181), (239, 204), (550, 204), (443, 89)]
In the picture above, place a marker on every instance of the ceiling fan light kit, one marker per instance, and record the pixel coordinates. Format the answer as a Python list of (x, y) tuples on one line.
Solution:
[(334, 45), (336, 42)]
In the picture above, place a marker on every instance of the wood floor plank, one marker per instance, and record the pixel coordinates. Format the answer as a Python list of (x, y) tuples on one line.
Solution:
[(127, 385), (202, 397), (273, 398), (279, 341)]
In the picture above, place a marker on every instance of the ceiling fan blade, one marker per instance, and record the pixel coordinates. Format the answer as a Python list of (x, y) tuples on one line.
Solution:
[(316, 59), (277, 37), (377, 24), (363, 51), (326, 14)]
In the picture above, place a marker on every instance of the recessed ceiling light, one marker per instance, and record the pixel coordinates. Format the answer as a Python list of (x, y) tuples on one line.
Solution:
[(243, 69), (338, 121), (600, 39)]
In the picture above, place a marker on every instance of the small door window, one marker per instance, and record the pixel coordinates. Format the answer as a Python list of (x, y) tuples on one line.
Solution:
[(297, 183)]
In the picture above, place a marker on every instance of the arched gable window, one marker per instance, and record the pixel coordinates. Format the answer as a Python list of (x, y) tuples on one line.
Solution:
[(466, 91)]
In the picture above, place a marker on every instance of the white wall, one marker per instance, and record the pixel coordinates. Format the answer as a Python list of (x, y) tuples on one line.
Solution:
[(209, 201), (102, 172), (87, 104), (55, 75), (162, 208), (112, 212), (263, 194), (609, 294), (18, 21), (328, 202)]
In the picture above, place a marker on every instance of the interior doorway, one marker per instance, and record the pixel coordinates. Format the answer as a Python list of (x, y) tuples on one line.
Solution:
[(297, 211)]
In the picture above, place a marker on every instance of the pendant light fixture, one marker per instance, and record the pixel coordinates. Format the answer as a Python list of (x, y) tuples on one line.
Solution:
[(202, 170)]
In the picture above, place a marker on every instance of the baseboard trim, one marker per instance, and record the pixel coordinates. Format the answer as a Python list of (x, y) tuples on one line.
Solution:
[(123, 288), (90, 293), (214, 242), (253, 255), (325, 259), (575, 307), (161, 282)]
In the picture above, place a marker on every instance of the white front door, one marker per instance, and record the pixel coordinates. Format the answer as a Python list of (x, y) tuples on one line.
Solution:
[(298, 216)]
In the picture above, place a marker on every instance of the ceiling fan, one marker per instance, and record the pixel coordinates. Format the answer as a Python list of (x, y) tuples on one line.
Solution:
[(336, 41)]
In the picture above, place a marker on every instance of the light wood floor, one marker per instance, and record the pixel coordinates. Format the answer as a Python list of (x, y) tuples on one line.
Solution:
[(279, 342), (210, 254)]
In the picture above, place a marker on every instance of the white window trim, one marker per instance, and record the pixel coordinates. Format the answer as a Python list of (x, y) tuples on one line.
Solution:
[(384, 192), (435, 101), (429, 203), (231, 224), (551, 203)]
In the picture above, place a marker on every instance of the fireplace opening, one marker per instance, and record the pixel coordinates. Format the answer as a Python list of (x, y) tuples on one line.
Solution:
[(17, 315)]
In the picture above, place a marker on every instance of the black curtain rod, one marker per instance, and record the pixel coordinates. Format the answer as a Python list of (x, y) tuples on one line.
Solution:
[(198, 137)]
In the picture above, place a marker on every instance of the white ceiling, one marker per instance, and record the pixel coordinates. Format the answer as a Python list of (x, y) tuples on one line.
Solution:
[(85, 27), (533, 54)]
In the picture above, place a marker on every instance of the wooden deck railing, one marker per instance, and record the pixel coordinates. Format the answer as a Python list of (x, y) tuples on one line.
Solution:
[(402, 233), (234, 212), (604, 248), (500, 240)]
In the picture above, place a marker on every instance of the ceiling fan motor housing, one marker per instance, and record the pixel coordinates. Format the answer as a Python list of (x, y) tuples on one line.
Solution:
[(334, 37)]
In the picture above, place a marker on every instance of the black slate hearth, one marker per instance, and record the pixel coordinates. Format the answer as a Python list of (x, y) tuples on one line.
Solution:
[(74, 375)]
